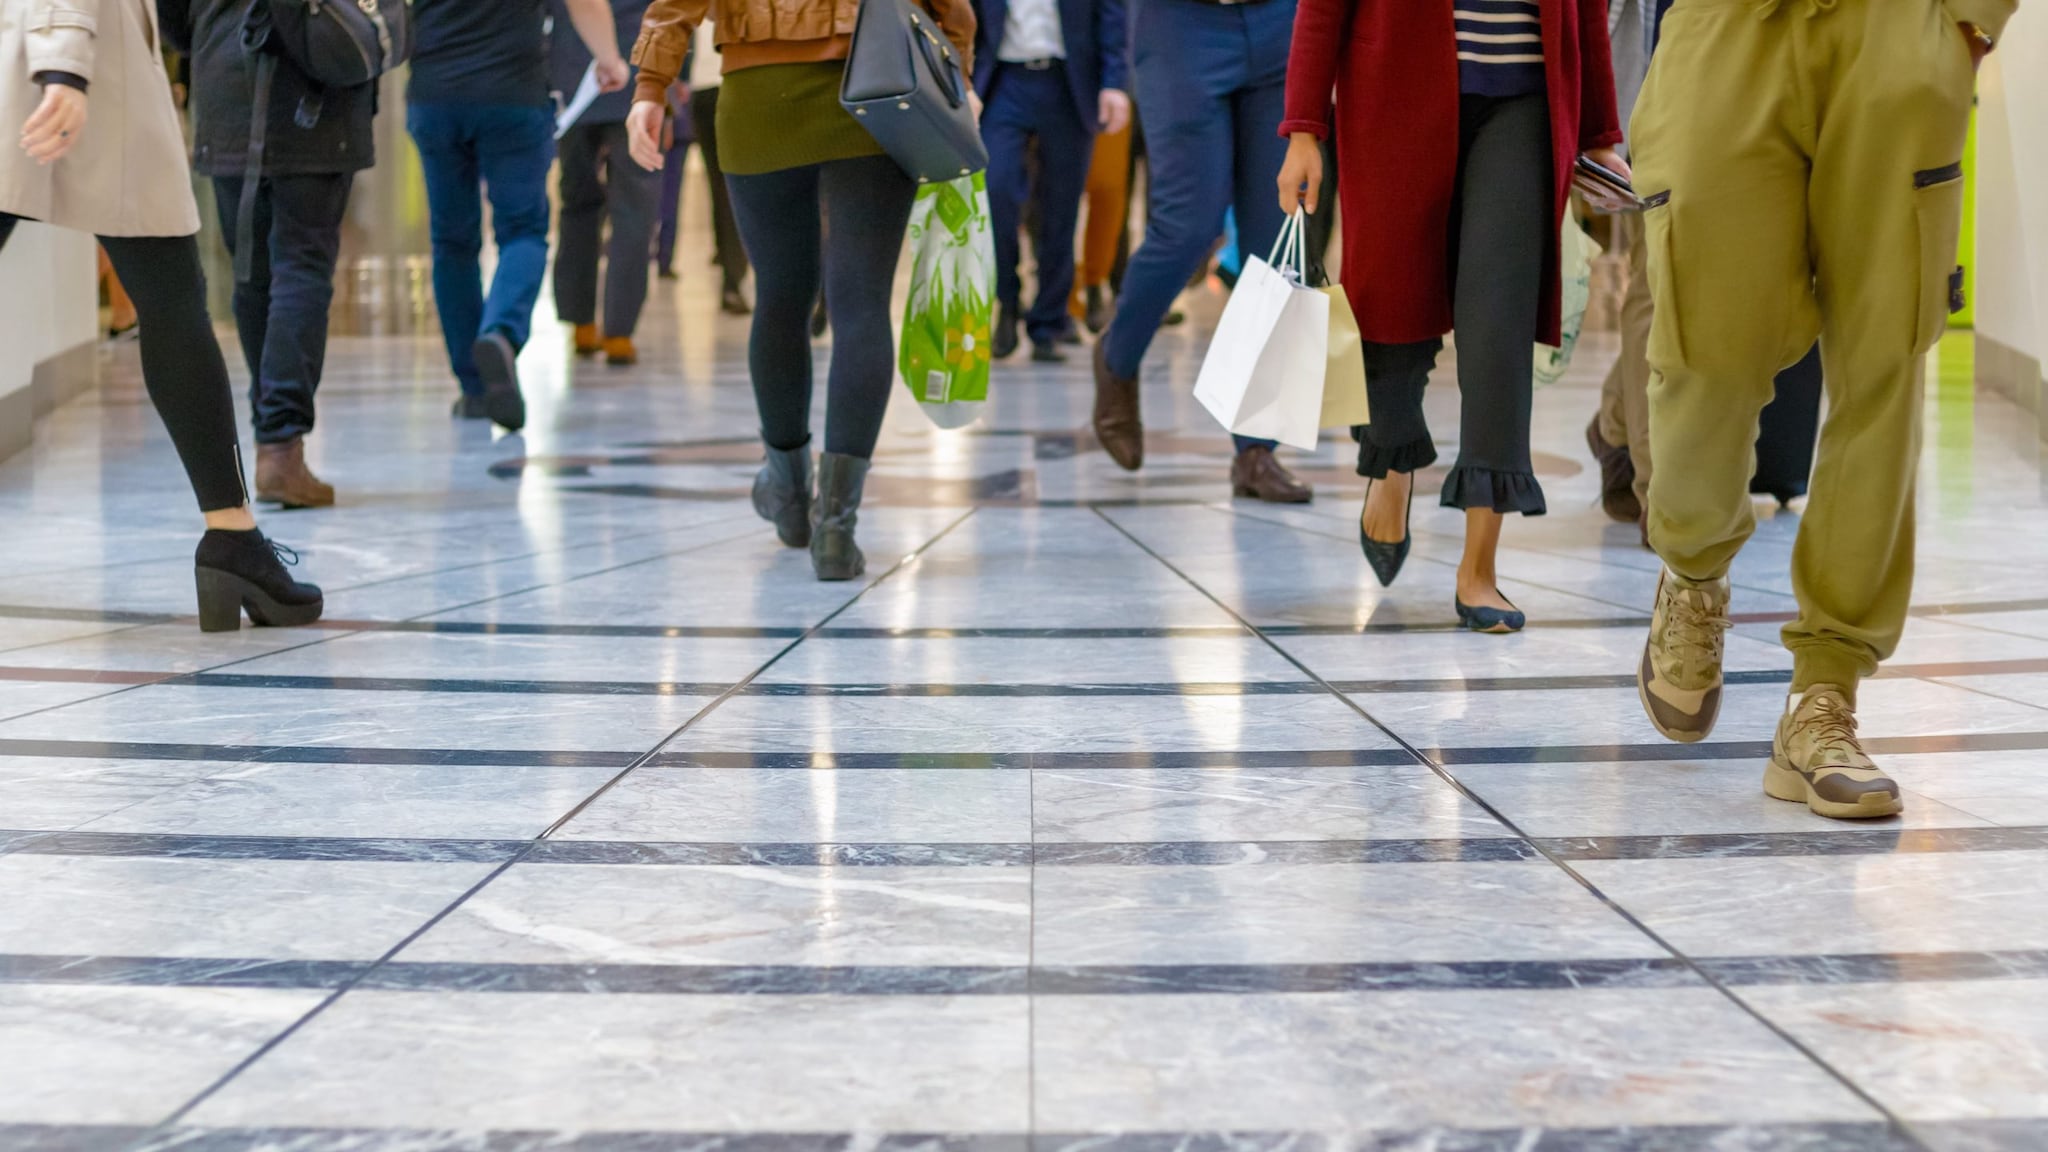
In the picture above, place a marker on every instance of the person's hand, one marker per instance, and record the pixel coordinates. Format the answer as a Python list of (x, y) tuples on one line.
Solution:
[(1601, 195), (1980, 44), (1113, 110), (1301, 176), (612, 73), (55, 125), (668, 134), (974, 103), (643, 134)]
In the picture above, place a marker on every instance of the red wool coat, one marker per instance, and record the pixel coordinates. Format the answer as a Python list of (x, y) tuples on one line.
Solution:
[(1394, 65)]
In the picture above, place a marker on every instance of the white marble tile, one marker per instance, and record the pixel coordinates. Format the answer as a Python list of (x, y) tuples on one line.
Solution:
[(646, 1063), (1167, 804), (273, 909), (1199, 660), (80, 1055), (2001, 787), (829, 806), (52, 793), (461, 656), (1403, 1060)]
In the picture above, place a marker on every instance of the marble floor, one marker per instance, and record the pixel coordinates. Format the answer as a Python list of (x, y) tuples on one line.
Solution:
[(1106, 813)]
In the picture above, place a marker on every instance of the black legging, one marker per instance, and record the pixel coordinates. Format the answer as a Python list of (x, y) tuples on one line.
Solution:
[(181, 361), (867, 205)]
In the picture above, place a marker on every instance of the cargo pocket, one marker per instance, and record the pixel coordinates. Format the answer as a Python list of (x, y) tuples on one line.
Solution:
[(1666, 349), (1938, 207)]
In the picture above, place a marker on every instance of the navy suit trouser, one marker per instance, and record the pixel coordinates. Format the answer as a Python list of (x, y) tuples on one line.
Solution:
[(1024, 105)]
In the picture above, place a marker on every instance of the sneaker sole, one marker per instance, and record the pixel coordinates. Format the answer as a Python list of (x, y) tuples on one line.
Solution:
[(1784, 782)]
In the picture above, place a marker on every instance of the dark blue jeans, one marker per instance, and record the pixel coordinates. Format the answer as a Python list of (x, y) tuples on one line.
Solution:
[(281, 312), (467, 150), (1024, 104), (1212, 81)]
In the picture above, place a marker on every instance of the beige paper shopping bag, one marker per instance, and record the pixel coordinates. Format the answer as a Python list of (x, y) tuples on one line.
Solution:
[(1344, 401)]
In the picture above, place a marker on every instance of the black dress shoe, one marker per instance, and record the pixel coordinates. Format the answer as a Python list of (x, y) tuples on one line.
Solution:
[(243, 571), (1047, 353), (1491, 620), (1005, 334), (1096, 313), (469, 407), (498, 363), (732, 303), (1386, 559)]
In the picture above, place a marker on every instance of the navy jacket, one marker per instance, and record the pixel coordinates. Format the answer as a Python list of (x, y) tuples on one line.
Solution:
[(568, 59), (1097, 36)]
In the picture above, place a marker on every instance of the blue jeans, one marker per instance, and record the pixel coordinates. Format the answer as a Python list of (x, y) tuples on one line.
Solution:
[(1022, 105), (281, 311), (464, 149), (1211, 80)]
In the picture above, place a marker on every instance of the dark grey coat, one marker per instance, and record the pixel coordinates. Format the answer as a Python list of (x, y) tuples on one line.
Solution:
[(338, 139)]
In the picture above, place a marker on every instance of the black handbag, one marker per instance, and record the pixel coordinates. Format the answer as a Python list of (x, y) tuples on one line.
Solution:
[(904, 84), (337, 44)]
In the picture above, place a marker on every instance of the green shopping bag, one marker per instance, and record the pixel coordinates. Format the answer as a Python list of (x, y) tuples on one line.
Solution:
[(944, 356)]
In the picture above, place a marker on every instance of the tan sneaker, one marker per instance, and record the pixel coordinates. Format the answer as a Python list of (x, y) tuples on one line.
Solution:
[(1817, 761), (1679, 680)]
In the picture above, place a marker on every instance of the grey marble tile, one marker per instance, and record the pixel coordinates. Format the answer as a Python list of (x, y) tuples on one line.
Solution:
[(1537, 652), (966, 724), (43, 792), (1111, 806), (653, 914), (257, 716), (1939, 1051), (632, 1063), (603, 659), (1682, 797), (165, 648), (26, 698), (1218, 660), (1405, 1060), (1931, 902), (877, 806), (285, 909), (365, 800), (1314, 913), (76, 1056)]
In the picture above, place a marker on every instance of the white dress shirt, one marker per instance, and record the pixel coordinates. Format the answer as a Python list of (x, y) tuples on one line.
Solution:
[(1032, 32)]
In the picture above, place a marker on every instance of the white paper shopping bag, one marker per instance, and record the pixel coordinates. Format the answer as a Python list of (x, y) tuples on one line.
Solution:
[(1263, 375)]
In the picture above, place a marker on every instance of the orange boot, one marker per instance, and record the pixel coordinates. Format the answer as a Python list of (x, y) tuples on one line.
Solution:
[(588, 342), (619, 351)]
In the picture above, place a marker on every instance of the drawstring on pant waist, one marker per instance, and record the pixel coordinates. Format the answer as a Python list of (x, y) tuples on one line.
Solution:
[(1765, 9)]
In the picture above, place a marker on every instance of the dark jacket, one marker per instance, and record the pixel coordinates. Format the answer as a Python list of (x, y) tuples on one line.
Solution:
[(1097, 36), (466, 52), (568, 59), (312, 130)]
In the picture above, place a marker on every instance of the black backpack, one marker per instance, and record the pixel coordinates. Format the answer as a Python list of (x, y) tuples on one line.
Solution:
[(337, 44)]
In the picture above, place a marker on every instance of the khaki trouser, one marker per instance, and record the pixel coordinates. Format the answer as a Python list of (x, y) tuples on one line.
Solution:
[(1624, 396), (1801, 160)]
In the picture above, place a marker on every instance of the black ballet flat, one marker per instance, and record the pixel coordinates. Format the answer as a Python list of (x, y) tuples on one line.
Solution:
[(1489, 620), (1386, 559)]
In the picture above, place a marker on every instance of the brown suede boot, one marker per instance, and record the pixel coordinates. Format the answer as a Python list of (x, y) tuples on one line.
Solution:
[(283, 478), (619, 351), (589, 341)]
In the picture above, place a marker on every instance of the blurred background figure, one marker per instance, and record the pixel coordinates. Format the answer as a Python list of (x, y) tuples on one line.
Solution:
[(702, 101), (1050, 74), (600, 183), (1108, 199)]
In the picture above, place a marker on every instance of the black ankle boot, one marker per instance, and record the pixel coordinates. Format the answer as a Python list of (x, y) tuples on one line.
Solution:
[(834, 555), (782, 494), (243, 570)]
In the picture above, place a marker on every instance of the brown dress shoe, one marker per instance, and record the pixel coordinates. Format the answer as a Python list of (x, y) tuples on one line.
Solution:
[(1117, 426), (619, 351), (589, 341), (1257, 472), (1617, 476), (283, 478)]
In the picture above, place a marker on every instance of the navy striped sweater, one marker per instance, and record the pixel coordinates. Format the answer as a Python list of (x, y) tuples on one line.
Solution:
[(1500, 47)]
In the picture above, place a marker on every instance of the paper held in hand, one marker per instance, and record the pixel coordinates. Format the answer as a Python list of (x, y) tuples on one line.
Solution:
[(1263, 376), (586, 95)]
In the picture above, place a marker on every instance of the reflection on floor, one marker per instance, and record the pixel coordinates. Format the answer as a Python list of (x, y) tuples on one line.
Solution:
[(1107, 812)]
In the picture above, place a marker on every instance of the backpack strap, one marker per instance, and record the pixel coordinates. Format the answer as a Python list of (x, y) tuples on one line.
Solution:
[(252, 170)]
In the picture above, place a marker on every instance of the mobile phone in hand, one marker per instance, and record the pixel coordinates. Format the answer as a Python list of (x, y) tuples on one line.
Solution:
[(1606, 185)]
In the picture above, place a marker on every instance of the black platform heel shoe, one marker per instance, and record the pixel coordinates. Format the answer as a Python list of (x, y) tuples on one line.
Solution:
[(782, 494), (244, 571), (1491, 620), (834, 555), (1386, 559)]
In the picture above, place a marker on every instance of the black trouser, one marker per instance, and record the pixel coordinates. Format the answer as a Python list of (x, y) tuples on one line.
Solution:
[(281, 313), (732, 254), (1502, 227), (631, 196), (181, 361), (867, 206)]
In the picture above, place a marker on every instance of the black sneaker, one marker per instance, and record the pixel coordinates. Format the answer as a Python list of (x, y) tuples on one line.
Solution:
[(498, 363), (469, 407)]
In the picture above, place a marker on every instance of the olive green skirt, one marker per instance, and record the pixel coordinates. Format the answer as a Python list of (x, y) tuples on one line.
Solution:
[(779, 116)]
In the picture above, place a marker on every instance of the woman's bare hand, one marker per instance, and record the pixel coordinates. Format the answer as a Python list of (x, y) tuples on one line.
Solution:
[(56, 124), (1301, 175)]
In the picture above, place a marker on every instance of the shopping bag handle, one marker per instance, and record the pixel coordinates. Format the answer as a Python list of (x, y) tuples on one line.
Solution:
[(1287, 254)]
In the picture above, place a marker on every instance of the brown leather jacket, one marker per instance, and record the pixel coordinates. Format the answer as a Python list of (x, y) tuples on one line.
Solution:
[(755, 32)]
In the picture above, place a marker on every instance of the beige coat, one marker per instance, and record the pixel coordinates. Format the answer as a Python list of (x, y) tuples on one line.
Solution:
[(127, 175)]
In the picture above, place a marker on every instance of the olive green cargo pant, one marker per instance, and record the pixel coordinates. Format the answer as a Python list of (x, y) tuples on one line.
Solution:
[(1801, 160)]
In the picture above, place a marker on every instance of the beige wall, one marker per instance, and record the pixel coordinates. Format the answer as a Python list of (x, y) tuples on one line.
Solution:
[(49, 320), (2012, 211)]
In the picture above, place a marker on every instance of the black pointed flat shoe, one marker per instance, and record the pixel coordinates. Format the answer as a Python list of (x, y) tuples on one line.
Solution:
[(1490, 620), (1386, 559)]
